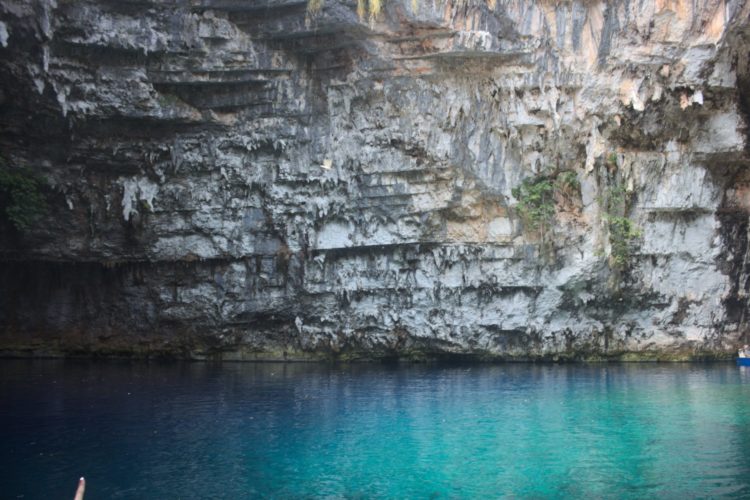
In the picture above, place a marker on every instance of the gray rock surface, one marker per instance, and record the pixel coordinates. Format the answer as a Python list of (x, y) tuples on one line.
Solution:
[(239, 179)]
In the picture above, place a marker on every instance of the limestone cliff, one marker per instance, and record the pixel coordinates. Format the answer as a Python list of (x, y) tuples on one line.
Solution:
[(241, 179)]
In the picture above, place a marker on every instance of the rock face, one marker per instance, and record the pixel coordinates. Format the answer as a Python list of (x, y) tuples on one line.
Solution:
[(241, 179)]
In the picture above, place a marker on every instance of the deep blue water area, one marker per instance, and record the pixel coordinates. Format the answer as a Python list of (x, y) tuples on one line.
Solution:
[(199, 430)]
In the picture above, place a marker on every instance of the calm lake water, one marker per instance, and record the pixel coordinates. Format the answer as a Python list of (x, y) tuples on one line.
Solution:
[(193, 430)]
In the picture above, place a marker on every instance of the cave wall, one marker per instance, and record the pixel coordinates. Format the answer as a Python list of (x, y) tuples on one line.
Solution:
[(241, 179)]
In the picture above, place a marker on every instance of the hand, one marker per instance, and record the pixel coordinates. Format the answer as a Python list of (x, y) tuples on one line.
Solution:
[(81, 489)]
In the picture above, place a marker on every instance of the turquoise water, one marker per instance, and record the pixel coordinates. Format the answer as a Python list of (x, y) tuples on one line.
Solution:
[(300, 431)]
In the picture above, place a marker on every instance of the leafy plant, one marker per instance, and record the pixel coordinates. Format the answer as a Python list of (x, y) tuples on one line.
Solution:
[(612, 159), (623, 232), (567, 185), (21, 199), (568, 180), (535, 201)]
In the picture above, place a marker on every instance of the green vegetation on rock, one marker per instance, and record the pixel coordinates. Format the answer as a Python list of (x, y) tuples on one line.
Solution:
[(623, 232), (22, 202), (536, 203), (537, 198)]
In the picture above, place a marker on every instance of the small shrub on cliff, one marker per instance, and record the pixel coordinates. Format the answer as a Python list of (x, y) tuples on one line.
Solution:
[(622, 235), (568, 186), (567, 180), (612, 160), (21, 200), (537, 195), (536, 203), (623, 232)]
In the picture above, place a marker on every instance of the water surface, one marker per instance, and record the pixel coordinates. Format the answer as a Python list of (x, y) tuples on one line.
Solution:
[(193, 430)]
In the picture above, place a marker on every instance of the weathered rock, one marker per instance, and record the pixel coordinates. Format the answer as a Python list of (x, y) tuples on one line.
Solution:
[(239, 179)]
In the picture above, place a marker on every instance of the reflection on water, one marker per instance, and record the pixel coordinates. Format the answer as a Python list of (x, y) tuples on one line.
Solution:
[(195, 430)]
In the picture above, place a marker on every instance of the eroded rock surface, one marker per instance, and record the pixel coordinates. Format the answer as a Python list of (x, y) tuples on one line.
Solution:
[(239, 179)]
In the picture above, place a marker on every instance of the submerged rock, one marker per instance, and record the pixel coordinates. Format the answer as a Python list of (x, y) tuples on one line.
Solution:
[(502, 180)]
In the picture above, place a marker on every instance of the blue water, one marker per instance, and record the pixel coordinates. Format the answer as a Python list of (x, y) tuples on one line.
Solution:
[(193, 430)]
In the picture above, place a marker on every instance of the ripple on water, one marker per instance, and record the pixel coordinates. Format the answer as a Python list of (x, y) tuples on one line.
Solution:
[(239, 431)]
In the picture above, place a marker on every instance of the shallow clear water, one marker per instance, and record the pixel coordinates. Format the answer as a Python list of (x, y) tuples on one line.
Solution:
[(138, 430)]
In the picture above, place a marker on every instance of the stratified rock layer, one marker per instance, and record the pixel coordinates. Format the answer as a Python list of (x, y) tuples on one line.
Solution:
[(239, 179)]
